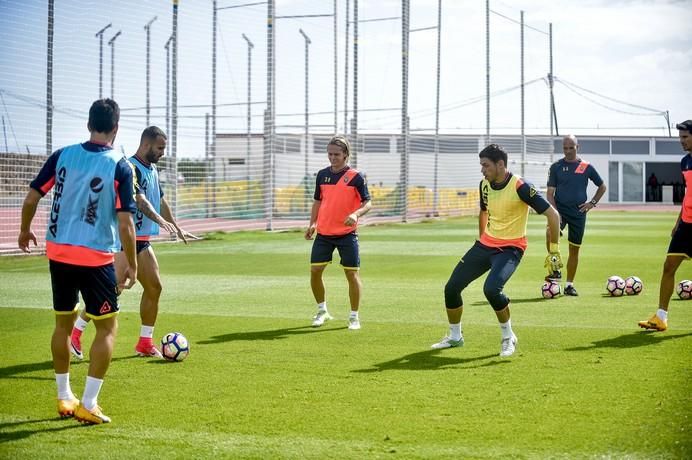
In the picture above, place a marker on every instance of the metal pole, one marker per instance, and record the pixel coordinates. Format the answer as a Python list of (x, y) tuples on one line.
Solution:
[(213, 105), (111, 43), (168, 85), (550, 76), (523, 133), (269, 118), (354, 121), (307, 115), (403, 181), (147, 29), (336, 71), (174, 109), (49, 81), (4, 133), (99, 34), (250, 45), (347, 44), (437, 110), (487, 71), (206, 158)]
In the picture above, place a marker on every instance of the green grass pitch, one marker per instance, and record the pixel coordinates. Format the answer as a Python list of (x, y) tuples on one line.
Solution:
[(585, 382)]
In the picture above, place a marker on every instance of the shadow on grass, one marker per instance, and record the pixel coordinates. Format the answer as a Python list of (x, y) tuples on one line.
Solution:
[(22, 434), (274, 334), (431, 360), (10, 372), (513, 301), (631, 340)]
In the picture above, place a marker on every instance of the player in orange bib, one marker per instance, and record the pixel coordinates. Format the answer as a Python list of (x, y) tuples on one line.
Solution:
[(341, 198)]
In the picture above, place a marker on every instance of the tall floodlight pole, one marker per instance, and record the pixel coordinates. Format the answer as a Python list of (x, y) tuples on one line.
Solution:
[(250, 45), (49, 81), (437, 110), (269, 121), (168, 84), (347, 45), (307, 114), (550, 76), (354, 120), (336, 70), (174, 108), (99, 34), (111, 43), (147, 29), (403, 181), (212, 150), (487, 71), (521, 60)]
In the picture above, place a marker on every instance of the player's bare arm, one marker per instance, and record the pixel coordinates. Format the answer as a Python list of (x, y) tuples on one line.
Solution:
[(168, 215), (126, 227), (310, 232), (148, 210), (352, 218), (482, 222), (28, 211)]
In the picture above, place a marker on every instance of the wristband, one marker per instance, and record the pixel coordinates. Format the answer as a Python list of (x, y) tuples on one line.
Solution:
[(554, 247)]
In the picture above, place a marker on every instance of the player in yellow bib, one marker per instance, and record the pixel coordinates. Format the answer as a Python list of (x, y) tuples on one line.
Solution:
[(504, 201)]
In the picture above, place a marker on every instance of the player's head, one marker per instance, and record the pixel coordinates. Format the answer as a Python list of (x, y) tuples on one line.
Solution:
[(570, 146), (685, 133), (338, 151), (152, 144), (104, 116), (493, 162)]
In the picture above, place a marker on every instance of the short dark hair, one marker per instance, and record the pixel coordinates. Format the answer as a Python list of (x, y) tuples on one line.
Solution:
[(494, 153), (151, 133), (104, 115), (341, 141), (685, 126)]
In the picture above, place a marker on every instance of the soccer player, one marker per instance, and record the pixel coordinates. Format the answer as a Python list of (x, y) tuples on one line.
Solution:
[(680, 247), (93, 201), (150, 202), (341, 198), (504, 201), (567, 182)]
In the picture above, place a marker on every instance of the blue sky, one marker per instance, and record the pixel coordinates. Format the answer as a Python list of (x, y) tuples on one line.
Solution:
[(635, 51)]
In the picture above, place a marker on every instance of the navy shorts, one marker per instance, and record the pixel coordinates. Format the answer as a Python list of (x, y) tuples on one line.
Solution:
[(96, 284), (141, 245), (681, 242), (576, 223), (347, 245)]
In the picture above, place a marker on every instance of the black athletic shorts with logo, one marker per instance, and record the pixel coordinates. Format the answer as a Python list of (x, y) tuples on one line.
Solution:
[(681, 242), (97, 285)]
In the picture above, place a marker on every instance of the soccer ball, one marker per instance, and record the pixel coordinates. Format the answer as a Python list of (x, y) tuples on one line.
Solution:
[(174, 346), (684, 289), (550, 290), (633, 285), (615, 286)]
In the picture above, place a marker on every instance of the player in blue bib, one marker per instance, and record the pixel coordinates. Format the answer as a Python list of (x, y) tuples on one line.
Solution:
[(152, 213), (568, 179), (91, 215)]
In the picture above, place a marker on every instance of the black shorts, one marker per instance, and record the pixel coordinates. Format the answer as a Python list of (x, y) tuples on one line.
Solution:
[(96, 284), (681, 242), (347, 245), (576, 223), (141, 245)]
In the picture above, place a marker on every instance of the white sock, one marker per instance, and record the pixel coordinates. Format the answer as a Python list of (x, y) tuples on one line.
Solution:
[(662, 314), (506, 329), (146, 331), (91, 392), (568, 284), (64, 390), (354, 314), (80, 324), (322, 306), (455, 331)]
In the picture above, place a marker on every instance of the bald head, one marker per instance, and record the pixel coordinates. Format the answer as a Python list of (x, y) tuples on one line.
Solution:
[(570, 146)]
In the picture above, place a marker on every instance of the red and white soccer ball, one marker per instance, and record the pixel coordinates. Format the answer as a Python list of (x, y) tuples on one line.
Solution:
[(615, 286), (174, 346), (633, 285), (684, 289), (550, 290)]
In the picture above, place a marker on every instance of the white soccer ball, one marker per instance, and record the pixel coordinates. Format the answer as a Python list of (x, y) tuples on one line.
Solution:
[(615, 286), (174, 346), (633, 285), (550, 290), (684, 289)]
